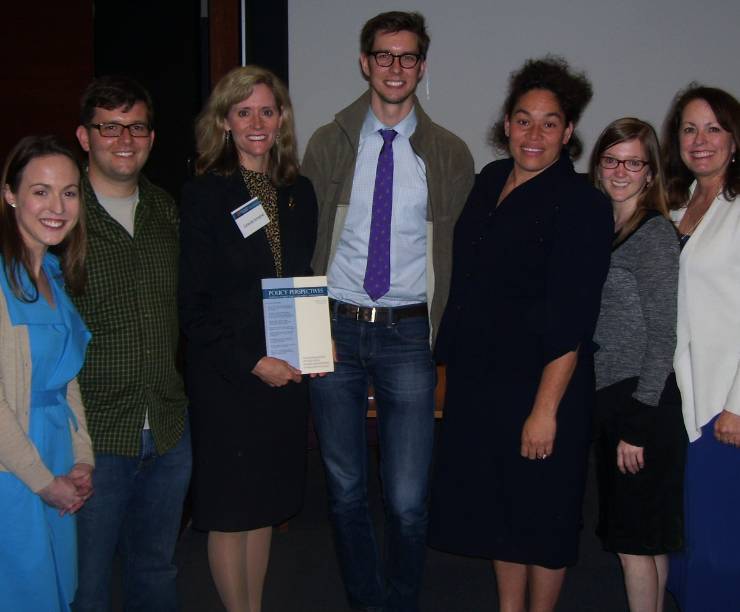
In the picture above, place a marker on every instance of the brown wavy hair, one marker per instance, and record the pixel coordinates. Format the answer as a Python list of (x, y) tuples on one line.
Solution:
[(572, 89), (678, 177), (653, 197), (71, 250), (217, 155)]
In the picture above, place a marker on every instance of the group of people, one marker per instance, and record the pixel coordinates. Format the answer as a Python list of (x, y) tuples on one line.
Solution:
[(560, 319), (88, 317)]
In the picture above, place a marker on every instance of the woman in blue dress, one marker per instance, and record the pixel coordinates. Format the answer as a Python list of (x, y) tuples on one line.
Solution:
[(46, 457)]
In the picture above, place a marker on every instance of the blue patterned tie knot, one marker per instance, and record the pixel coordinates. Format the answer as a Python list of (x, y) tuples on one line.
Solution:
[(378, 271)]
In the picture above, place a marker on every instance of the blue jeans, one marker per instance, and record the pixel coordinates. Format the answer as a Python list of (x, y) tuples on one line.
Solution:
[(136, 509), (397, 360)]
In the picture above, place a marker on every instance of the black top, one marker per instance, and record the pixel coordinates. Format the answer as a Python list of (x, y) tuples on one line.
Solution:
[(534, 263)]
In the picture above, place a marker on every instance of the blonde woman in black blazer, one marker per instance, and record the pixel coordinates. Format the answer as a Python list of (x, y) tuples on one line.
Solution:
[(248, 410)]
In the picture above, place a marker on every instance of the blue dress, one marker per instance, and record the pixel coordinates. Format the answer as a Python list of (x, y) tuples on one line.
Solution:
[(38, 549)]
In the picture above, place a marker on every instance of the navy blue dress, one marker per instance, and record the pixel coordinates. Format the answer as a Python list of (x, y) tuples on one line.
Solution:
[(526, 287)]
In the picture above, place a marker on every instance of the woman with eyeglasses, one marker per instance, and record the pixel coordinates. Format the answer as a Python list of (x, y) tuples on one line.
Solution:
[(531, 253), (46, 457), (249, 411), (700, 148), (640, 439)]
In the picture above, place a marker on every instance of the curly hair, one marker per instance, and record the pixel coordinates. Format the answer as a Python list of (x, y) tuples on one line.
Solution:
[(572, 90), (678, 177), (653, 196), (395, 21), (15, 253), (216, 154)]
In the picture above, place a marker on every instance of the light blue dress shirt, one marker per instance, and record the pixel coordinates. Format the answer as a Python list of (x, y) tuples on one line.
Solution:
[(346, 272)]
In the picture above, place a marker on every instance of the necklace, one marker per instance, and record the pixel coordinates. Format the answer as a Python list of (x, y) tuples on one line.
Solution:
[(693, 227), (690, 230)]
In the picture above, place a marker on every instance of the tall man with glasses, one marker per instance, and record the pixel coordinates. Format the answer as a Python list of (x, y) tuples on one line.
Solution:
[(133, 395), (390, 185)]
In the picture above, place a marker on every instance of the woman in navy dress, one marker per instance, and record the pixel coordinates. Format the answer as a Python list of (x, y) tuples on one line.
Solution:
[(703, 177), (46, 457), (530, 256)]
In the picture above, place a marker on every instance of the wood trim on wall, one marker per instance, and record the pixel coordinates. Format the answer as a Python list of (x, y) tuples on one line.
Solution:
[(224, 27)]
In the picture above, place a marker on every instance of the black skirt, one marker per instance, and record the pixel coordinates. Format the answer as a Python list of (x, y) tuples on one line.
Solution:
[(641, 514), (249, 451)]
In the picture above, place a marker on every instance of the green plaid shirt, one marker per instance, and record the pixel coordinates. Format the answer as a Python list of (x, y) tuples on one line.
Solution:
[(130, 306)]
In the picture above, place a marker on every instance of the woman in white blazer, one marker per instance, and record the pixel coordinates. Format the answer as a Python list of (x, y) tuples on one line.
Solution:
[(700, 153)]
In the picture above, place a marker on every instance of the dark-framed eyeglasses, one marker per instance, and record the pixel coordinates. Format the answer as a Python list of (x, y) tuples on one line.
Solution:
[(114, 130), (607, 162), (385, 59)]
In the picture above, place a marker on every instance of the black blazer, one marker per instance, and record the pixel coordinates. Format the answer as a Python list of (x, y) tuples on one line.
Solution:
[(220, 295)]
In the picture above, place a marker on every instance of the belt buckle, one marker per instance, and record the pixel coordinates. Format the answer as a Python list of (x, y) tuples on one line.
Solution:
[(373, 312)]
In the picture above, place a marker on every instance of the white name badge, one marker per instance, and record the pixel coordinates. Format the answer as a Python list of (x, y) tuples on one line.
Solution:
[(249, 217)]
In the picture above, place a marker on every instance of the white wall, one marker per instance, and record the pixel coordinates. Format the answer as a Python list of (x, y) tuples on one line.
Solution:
[(638, 53)]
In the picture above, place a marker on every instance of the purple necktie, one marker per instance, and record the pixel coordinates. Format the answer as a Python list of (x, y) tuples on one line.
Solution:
[(378, 271)]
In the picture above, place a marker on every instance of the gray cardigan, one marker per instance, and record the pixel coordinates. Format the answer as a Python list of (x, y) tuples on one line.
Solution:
[(636, 330)]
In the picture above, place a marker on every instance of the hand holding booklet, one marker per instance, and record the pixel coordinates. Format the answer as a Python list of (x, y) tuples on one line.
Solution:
[(297, 326)]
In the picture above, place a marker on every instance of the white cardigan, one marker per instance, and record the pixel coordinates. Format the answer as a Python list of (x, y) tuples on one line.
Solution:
[(707, 358)]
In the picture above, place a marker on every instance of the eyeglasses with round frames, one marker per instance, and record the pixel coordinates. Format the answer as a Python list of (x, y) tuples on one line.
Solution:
[(385, 59), (611, 163), (114, 130)]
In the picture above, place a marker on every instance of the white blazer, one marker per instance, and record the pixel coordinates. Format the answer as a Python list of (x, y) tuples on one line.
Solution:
[(707, 358)]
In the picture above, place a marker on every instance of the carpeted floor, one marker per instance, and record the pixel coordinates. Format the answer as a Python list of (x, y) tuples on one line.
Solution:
[(303, 574)]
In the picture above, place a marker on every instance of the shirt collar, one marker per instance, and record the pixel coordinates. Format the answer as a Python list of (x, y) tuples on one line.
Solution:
[(372, 124)]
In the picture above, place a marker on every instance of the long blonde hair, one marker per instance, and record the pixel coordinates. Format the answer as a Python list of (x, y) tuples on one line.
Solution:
[(217, 154)]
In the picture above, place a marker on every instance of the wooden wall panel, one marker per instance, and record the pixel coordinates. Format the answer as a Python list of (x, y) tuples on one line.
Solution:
[(47, 57), (224, 34)]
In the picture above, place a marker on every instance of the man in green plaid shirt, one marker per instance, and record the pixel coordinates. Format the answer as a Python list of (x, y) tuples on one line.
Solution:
[(134, 397)]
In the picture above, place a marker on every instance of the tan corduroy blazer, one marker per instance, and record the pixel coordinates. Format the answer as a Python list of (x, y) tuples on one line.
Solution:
[(17, 453)]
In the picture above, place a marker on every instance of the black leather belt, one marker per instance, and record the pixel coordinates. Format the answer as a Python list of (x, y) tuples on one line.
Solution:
[(384, 316)]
